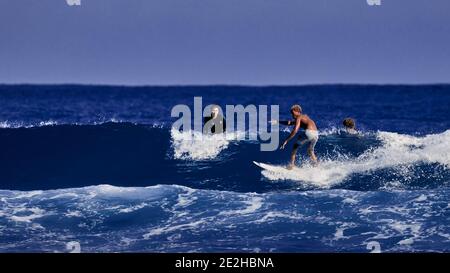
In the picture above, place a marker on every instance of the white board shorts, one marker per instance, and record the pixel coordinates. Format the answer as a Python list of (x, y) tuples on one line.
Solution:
[(312, 136)]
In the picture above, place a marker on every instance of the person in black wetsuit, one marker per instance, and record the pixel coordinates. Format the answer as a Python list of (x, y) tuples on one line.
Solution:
[(214, 124)]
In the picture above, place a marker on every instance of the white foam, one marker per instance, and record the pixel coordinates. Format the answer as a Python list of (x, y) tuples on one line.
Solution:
[(34, 214), (396, 150), (65, 195), (271, 215), (402, 227), (8, 124), (339, 234), (253, 204), (73, 247), (130, 193), (349, 201), (161, 230), (36, 226), (421, 198), (197, 146), (21, 124), (74, 213), (185, 199), (133, 208), (28, 194), (408, 241)]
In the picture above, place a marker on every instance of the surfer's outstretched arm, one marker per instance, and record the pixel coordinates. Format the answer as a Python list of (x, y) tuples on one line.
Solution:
[(292, 134), (284, 122), (287, 122)]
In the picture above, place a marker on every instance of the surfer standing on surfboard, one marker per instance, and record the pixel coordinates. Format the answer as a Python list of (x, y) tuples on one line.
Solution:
[(310, 136)]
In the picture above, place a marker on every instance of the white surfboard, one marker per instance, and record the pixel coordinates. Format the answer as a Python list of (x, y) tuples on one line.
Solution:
[(271, 168), (274, 172)]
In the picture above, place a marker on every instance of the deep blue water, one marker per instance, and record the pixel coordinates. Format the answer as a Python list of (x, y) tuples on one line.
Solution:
[(99, 168)]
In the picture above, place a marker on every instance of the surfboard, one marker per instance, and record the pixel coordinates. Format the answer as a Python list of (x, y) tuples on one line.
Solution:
[(270, 168)]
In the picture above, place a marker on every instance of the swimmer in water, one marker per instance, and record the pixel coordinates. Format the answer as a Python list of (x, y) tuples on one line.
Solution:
[(350, 126)]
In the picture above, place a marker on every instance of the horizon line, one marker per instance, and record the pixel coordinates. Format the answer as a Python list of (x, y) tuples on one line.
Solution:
[(225, 84)]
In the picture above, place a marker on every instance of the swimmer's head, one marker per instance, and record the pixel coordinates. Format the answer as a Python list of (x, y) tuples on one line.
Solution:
[(349, 123), (296, 110), (214, 111)]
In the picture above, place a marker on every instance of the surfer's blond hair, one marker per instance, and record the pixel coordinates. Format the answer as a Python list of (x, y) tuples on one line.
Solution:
[(296, 108)]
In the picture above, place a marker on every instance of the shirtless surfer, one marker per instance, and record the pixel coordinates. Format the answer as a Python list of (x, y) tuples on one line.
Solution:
[(310, 136)]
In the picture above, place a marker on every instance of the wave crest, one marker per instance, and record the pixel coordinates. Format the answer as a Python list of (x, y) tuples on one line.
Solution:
[(397, 150)]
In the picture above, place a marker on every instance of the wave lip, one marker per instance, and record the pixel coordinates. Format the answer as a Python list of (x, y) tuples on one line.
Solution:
[(197, 146), (5, 124), (8, 124)]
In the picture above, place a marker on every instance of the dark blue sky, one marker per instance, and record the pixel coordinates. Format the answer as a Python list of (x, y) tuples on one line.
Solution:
[(136, 42)]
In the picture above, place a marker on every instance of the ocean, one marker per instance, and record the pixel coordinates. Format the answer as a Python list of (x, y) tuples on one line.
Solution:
[(100, 169)]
